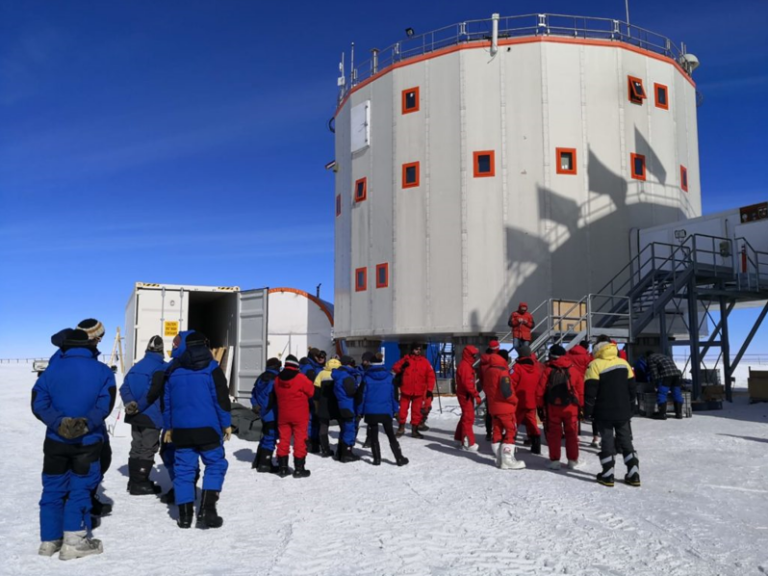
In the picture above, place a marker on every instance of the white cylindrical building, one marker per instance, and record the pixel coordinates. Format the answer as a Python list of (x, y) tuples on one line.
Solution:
[(474, 172)]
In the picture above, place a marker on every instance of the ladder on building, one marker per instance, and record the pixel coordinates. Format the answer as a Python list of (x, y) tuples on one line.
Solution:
[(662, 280)]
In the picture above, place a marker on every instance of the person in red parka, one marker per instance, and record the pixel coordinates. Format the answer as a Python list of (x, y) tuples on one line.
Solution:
[(525, 381), (581, 358), (416, 377), (521, 323), (485, 362), (503, 404), (293, 391), (466, 392), (561, 393)]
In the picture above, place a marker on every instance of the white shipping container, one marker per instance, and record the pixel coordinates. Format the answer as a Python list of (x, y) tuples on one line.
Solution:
[(231, 318)]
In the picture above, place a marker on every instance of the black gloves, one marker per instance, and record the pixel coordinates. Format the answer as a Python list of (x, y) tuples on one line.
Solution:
[(71, 428), (132, 408)]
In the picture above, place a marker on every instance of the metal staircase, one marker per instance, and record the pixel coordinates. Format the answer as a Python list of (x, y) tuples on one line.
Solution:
[(653, 286)]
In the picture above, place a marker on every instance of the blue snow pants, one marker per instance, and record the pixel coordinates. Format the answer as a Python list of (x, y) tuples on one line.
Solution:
[(348, 431), (70, 473), (268, 436), (186, 467), (664, 385)]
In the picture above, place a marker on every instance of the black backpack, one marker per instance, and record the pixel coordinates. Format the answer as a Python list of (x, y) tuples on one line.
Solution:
[(559, 391)]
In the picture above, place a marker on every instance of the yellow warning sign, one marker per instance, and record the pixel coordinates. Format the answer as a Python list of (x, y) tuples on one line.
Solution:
[(171, 329)]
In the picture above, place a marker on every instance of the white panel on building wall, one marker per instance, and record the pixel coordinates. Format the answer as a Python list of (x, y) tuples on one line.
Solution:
[(361, 126)]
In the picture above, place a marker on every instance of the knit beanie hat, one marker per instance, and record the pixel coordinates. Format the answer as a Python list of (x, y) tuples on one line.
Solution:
[(196, 338), (76, 339), (273, 363), (523, 351), (291, 362), (347, 361), (92, 327), (556, 351), (494, 345), (155, 344)]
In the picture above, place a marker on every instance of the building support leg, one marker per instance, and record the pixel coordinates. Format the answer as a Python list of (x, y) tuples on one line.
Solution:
[(725, 346), (693, 326)]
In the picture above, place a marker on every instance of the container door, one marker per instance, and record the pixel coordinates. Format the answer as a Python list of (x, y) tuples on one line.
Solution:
[(251, 352), (149, 319)]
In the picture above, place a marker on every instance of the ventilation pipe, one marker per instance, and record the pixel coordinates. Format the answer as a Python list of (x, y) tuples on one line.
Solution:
[(495, 34)]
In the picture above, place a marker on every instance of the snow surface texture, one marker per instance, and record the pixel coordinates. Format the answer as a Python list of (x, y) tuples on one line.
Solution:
[(702, 509)]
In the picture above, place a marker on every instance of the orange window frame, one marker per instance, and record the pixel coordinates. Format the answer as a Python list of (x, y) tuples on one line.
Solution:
[(338, 204), (361, 279), (632, 93), (359, 197), (476, 163), (559, 154), (415, 107), (684, 178), (415, 183), (635, 175), (656, 88), (385, 268)]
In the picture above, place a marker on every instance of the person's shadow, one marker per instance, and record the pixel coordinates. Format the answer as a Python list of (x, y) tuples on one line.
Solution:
[(245, 455)]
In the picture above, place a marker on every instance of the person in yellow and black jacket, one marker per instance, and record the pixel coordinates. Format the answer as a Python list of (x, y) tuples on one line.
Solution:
[(609, 396)]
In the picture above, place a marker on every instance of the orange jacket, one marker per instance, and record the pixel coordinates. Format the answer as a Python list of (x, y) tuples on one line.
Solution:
[(499, 391), (418, 376), (521, 323), (525, 380), (575, 376)]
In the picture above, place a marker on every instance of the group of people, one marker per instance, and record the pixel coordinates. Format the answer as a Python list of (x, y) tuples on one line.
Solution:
[(569, 386), (181, 409)]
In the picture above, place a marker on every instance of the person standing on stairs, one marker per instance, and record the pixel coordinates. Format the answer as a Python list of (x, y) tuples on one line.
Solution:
[(378, 406), (468, 396), (522, 325), (665, 374), (146, 419), (417, 377)]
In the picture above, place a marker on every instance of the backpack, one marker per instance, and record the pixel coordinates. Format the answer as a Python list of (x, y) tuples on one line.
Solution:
[(559, 391)]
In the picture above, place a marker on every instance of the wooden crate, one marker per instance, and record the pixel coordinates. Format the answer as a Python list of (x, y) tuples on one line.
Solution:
[(713, 392), (567, 314), (757, 385)]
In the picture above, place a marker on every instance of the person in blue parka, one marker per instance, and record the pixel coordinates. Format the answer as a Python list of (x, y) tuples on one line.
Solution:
[(146, 419), (378, 406), (196, 417), (263, 397), (311, 366), (346, 380), (72, 398)]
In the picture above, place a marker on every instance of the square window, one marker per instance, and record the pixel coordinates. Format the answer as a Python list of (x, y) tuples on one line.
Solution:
[(411, 175), (635, 89), (410, 100), (382, 275), (662, 96), (637, 162), (485, 163), (566, 160), (338, 205), (361, 189), (684, 178), (361, 279)]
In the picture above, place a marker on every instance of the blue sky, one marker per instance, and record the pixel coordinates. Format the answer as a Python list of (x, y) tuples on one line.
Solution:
[(184, 141)]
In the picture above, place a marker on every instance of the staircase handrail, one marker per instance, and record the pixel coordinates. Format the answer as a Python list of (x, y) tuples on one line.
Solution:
[(755, 261)]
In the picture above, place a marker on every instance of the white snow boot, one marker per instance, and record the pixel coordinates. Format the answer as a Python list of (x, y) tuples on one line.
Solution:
[(554, 465), (49, 547), (495, 449), (77, 545), (469, 447), (507, 460), (574, 464)]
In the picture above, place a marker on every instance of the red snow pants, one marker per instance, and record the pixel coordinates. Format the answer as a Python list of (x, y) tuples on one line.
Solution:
[(528, 417), (504, 428), (297, 429), (559, 419), (415, 403), (464, 428)]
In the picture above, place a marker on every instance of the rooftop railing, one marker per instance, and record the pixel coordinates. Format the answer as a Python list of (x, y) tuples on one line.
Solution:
[(508, 27)]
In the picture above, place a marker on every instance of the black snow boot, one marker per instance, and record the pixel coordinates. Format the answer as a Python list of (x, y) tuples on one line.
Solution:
[(661, 413), (282, 466), (207, 515), (400, 430), (186, 513), (345, 453), (300, 471), (535, 444), (99, 508), (606, 476), (376, 451), (423, 426), (139, 483), (679, 410), (265, 465), (415, 432), (633, 469), (400, 460), (256, 459), (314, 447)]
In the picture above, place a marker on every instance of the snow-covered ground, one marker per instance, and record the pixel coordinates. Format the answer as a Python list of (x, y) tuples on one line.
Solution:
[(702, 509)]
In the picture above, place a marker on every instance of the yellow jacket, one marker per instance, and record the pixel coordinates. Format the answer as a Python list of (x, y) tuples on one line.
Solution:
[(325, 374)]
